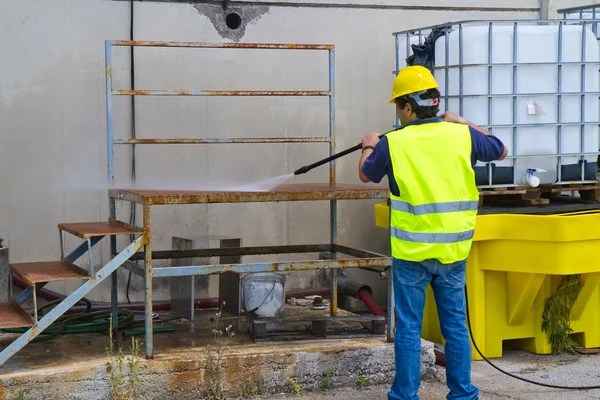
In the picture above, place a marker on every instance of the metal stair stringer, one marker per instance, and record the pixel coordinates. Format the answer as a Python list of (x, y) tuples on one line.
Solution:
[(71, 299)]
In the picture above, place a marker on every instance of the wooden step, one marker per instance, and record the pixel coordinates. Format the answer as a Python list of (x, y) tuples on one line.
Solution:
[(48, 271), (85, 230), (13, 316)]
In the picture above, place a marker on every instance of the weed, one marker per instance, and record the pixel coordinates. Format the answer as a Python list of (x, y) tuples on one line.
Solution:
[(259, 389), (247, 390), (215, 389), (325, 383), (362, 382), (123, 385), (557, 314), (296, 389), (22, 395)]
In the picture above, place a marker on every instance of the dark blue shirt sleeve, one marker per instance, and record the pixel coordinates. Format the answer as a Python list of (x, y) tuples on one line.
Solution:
[(485, 148), (378, 163)]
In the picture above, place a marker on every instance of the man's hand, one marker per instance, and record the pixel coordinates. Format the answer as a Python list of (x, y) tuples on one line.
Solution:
[(371, 139), (451, 117)]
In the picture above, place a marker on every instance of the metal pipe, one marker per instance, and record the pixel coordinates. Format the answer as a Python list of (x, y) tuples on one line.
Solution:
[(489, 92), (62, 244), (559, 105), (447, 71), (582, 102), (371, 304), (316, 139), (224, 45), (148, 280), (220, 93), (515, 102)]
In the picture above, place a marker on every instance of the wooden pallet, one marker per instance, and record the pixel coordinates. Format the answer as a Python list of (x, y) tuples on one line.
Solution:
[(512, 195), (589, 191)]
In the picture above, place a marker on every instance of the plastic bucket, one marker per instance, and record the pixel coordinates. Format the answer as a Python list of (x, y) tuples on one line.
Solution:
[(264, 294)]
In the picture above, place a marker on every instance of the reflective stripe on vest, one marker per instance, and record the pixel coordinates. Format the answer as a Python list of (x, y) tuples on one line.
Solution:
[(434, 216), (420, 237), (432, 208)]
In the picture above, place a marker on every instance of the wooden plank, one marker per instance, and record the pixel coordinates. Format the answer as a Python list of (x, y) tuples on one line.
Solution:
[(13, 316), (84, 230), (48, 271)]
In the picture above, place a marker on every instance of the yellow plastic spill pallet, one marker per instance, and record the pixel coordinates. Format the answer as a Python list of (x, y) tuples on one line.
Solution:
[(515, 264)]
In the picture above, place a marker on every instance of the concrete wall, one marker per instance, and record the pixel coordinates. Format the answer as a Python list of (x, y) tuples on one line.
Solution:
[(53, 115)]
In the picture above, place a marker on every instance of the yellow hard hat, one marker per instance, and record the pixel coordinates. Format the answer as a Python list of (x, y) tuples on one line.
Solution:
[(411, 80)]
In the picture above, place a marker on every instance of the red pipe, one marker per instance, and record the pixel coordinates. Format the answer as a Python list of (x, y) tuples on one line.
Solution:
[(369, 301), (211, 302)]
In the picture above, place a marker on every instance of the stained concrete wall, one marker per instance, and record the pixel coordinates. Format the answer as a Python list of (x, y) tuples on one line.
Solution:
[(53, 166)]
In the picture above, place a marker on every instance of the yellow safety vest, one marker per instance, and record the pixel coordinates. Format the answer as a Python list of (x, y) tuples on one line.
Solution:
[(434, 216)]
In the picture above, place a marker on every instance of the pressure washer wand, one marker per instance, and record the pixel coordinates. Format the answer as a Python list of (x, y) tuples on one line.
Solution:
[(307, 168)]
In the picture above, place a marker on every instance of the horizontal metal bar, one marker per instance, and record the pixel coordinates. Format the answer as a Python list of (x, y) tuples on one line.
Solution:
[(497, 22), (518, 64), (579, 8), (126, 225), (225, 45), (540, 125), (272, 267), (221, 92), (553, 155), (235, 251), (338, 248), (134, 268), (357, 318), (314, 139), (485, 95)]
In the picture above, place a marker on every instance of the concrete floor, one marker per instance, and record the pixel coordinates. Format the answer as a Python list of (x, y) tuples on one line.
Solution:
[(564, 370), (73, 367)]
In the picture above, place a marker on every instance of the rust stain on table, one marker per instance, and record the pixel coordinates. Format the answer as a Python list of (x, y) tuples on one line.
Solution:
[(296, 192)]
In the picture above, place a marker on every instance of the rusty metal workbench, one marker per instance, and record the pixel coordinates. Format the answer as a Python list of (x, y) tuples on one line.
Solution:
[(346, 257), (342, 256)]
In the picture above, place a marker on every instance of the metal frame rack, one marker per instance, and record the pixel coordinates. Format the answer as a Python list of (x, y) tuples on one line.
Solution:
[(575, 14), (515, 95), (331, 191)]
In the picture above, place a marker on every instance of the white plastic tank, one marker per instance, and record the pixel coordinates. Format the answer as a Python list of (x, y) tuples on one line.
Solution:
[(535, 44)]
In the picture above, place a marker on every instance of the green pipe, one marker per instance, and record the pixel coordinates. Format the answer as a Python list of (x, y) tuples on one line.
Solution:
[(142, 331)]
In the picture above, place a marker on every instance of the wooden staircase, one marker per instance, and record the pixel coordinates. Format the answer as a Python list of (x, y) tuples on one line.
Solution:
[(37, 274)]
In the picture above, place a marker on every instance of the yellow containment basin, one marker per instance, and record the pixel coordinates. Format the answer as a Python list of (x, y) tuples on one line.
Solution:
[(515, 264)]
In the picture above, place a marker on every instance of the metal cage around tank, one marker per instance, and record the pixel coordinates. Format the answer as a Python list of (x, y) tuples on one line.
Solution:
[(587, 171)]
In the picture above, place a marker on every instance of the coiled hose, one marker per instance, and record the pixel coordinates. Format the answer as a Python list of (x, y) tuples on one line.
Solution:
[(83, 322)]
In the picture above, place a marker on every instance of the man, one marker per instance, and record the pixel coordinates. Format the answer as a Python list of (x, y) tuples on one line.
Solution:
[(434, 201)]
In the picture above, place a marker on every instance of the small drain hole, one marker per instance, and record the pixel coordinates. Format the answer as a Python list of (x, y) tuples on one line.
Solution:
[(233, 20)]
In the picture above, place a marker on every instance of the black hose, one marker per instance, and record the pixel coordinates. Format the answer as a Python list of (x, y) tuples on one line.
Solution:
[(508, 373)]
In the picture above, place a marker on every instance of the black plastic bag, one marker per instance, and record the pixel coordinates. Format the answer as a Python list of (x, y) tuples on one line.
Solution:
[(424, 54)]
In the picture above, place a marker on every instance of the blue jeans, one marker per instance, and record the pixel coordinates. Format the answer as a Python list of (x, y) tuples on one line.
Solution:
[(410, 284)]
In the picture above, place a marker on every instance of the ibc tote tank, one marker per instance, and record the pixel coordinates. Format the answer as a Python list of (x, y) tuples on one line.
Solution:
[(524, 112)]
